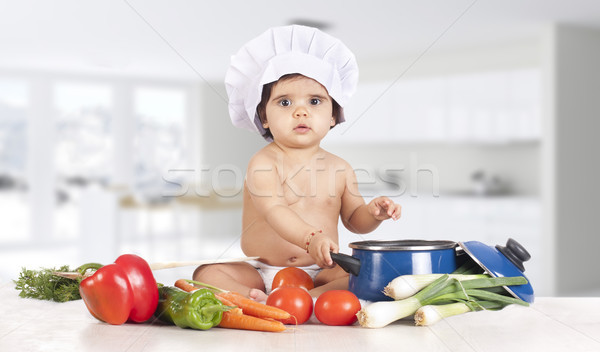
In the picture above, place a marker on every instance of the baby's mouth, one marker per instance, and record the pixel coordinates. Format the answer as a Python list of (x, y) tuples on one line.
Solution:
[(302, 128)]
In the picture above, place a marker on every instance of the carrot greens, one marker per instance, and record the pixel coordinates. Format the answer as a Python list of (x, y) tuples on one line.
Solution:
[(45, 285)]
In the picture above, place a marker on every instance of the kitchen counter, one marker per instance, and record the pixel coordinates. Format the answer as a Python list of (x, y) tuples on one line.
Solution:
[(550, 324)]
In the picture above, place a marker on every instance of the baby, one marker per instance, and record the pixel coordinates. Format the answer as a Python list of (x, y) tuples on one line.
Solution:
[(294, 190)]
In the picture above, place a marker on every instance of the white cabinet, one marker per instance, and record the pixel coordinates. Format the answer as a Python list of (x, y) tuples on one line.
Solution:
[(420, 111), (488, 107)]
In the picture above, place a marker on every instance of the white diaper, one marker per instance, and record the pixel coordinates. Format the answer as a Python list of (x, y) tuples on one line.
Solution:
[(268, 272)]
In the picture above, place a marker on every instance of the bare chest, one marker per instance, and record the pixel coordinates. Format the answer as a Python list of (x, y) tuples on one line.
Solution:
[(311, 186)]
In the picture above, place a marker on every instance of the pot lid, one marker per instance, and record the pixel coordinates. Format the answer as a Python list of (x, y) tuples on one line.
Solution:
[(502, 261), (402, 245)]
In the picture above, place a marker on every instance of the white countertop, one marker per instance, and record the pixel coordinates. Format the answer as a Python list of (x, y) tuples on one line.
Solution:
[(550, 324)]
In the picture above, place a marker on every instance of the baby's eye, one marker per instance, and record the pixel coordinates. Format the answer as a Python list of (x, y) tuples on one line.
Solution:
[(285, 102), (315, 101)]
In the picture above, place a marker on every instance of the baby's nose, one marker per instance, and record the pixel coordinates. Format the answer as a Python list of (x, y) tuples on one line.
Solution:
[(300, 112)]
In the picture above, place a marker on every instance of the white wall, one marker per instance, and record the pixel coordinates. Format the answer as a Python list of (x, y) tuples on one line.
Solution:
[(223, 143), (225, 152)]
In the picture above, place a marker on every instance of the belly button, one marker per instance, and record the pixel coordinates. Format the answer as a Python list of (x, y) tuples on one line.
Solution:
[(293, 259)]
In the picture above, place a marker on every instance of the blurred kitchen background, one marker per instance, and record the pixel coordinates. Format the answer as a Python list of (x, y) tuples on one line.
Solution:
[(477, 116)]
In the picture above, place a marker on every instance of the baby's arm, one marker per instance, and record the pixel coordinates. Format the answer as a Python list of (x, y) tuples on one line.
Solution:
[(266, 190), (359, 217)]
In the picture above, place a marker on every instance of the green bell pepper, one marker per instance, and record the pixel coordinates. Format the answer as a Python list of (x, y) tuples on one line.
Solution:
[(197, 310)]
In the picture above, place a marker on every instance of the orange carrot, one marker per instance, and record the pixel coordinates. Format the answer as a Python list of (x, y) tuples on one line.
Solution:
[(235, 310), (256, 309), (225, 301), (235, 318), (248, 306), (186, 286), (248, 322)]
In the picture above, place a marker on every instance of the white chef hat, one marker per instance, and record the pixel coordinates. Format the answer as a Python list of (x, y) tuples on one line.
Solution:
[(285, 50)]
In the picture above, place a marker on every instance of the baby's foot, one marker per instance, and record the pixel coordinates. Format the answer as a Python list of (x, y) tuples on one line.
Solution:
[(257, 295)]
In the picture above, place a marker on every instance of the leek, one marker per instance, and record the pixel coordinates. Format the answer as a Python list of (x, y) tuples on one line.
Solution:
[(408, 285), (431, 314), (380, 314), (443, 290), (468, 267)]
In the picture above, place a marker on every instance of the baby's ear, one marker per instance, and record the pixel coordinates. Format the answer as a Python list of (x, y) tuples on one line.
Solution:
[(332, 122)]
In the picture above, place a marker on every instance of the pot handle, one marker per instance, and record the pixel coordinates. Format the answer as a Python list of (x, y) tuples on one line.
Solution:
[(349, 263), (515, 252)]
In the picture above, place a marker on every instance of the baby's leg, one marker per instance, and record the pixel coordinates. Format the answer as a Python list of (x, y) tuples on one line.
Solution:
[(330, 279), (238, 277)]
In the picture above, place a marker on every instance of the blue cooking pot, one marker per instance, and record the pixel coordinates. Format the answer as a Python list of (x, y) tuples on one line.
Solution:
[(374, 264)]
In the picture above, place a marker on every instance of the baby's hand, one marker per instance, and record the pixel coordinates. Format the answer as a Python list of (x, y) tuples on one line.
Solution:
[(319, 249), (383, 208)]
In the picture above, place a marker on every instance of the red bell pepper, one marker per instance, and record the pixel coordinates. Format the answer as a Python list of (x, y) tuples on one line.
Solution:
[(125, 290)]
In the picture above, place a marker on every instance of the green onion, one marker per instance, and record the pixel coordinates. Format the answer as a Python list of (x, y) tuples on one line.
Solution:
[(380, 314), (489, 287), (443, 290), (431, 314), (407, 285), (468, 267)]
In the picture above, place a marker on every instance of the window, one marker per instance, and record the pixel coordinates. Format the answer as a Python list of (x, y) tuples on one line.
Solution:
[(160, 142), (65, 141), (83, 153), (14, 222)]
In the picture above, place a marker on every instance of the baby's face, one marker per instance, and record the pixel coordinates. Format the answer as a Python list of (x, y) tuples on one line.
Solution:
[(299, 112)]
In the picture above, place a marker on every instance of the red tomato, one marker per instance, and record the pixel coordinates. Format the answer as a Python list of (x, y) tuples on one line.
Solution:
[(337, 307), (292, 277), (294, 300)]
